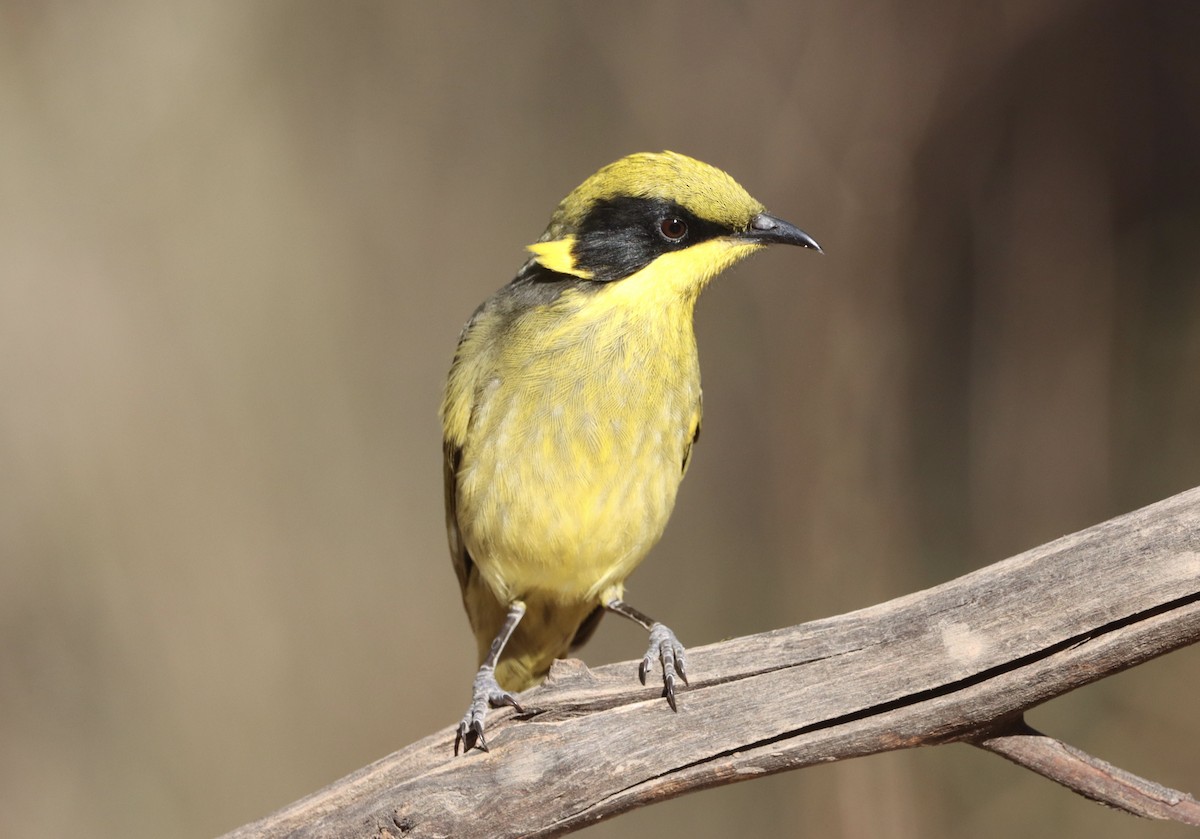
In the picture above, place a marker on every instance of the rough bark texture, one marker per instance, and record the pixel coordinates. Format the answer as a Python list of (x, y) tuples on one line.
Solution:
[(959, 662)]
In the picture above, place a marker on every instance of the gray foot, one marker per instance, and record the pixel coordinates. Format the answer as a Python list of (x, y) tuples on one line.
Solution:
[(665, 649), (486, 693)]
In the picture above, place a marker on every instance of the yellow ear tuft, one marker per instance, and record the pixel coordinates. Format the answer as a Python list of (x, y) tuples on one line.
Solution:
[(557, 256)]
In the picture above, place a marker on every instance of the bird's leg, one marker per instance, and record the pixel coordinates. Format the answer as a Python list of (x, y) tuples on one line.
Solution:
[(664, 648), (486, 690)]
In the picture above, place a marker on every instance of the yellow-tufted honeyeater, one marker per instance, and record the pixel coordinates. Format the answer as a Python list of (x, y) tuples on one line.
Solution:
[(571, 409)]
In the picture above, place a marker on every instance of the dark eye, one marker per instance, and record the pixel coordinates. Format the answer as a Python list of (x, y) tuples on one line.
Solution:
[(674, 228)]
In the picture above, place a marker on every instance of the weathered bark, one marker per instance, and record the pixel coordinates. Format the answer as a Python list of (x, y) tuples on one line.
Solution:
[(959, 662)]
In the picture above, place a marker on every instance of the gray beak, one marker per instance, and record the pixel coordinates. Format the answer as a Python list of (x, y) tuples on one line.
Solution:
[(775, 231)]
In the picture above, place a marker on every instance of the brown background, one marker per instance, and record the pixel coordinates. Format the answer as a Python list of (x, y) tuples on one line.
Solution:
[(237, 243)]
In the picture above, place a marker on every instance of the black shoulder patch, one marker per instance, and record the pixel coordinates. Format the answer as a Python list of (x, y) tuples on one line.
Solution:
[(535, 285)]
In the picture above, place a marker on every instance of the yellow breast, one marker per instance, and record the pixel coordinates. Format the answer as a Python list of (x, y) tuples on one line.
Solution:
[(576, 444)]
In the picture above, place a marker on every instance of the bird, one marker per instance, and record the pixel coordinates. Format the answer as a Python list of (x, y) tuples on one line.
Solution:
[(571, 409)]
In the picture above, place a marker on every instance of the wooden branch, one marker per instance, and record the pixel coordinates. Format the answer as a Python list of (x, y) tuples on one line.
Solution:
[(1090, 776), (959, 662)]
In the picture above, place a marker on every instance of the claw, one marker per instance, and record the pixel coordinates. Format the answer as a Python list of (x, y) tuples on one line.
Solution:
[(486, 693), (665, 647)]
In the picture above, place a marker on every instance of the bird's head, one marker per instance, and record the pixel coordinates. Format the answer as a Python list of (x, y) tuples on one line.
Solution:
[(683, 219)]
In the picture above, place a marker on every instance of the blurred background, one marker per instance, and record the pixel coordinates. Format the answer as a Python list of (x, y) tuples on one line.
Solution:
[(237, 244)]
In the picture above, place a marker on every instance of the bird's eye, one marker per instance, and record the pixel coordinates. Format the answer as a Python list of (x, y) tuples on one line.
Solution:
[(674, 228)]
